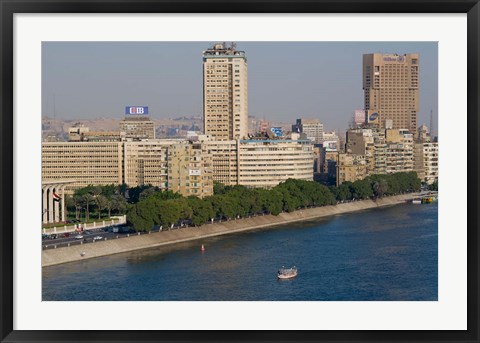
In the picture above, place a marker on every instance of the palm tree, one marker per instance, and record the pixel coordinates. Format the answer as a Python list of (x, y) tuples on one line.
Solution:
[(117, 203), (102, 203), (87, 200), (95, 192), (77, 202)]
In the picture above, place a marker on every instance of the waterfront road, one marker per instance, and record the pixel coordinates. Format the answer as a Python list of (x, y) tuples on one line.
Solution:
[(88, 236)]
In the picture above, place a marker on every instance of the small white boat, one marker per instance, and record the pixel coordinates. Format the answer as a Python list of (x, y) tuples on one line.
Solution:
[(287, 273), (416, 201)]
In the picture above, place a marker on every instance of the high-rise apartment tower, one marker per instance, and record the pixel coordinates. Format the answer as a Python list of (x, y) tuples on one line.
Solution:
[(225, 92), (390, 83)]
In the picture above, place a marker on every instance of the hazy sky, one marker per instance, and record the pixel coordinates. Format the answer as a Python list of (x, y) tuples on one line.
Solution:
[(286, 80)]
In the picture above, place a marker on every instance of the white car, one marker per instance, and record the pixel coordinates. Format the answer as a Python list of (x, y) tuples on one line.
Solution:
[(97, 238), (79, 237)]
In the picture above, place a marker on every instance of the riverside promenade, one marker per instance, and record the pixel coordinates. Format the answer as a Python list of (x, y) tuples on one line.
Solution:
[(80, 252), (113, 221)]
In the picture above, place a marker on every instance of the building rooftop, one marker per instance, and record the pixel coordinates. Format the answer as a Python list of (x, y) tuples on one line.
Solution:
[(222, 50), (136, 118)]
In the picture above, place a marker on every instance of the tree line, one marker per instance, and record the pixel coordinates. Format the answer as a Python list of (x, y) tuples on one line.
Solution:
[(105, 201), (165, 208), (377, 186)]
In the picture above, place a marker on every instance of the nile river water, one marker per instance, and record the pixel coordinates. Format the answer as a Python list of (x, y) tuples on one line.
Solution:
[(380, 254)]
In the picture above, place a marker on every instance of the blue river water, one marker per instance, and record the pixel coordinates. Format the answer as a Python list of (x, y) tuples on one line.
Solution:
[(387, 253)]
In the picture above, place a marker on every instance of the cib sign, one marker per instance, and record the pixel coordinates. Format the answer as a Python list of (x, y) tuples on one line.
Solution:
[(136, 110)]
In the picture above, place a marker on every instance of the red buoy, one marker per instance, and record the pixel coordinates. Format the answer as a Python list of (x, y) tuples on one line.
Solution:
[(202, 249)]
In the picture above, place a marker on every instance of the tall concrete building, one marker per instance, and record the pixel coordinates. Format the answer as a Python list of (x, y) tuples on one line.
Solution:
[(312, 128), (390, 83), (225, 92)]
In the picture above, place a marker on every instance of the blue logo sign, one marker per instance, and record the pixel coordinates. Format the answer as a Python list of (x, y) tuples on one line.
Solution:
[(373, 116), (136, 110), (277, 131)]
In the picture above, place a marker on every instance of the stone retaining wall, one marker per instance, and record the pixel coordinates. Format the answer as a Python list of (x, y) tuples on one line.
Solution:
[(70, 254)]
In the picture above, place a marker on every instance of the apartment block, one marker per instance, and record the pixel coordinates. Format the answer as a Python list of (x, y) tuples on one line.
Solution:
[(399, 151), (225, 92), (369, 142), (224, 159), (260, 163), (145, 162), (426, 161), (266, 163), (190, 169), (351, 168)]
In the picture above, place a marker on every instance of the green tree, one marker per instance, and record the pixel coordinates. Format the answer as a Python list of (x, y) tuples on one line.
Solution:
[(344, 191), (78, 201), (186, 211), (87, 200), (274, 203), (109, 190), (102, 203), (140, 221), (169, 212), (218, 188), (290, 203), (362, 189), (227, 208), (380, 187), (148, 192), (134, 193), (433, 186), (117, 203), (95, 192), (414, 182), (202, 211)]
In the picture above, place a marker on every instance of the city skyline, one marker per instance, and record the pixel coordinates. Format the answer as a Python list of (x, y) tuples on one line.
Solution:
[(287, 80)]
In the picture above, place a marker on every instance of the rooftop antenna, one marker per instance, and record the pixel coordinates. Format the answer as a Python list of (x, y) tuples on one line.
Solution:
[(431, 124), (54, 108)]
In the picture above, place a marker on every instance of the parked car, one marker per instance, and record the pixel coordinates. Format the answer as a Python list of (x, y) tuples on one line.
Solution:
[(97, 238), (78, 237)]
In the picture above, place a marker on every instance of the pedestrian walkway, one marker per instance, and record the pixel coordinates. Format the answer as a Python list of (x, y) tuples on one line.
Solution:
[(117, 220)]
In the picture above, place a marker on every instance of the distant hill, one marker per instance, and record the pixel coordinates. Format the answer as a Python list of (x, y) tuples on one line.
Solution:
[(59, 127)]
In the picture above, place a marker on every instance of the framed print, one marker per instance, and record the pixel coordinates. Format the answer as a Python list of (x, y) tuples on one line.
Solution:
[(249, 171)]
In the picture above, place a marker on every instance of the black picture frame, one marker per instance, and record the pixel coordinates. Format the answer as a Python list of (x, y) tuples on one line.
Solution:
[(10, 7)]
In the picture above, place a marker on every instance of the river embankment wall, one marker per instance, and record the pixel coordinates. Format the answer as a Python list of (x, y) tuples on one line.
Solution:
[(115, 246)]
